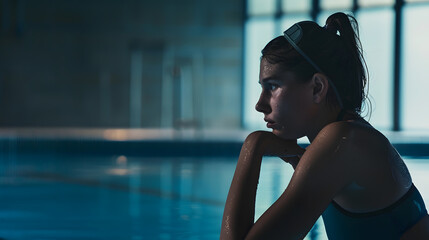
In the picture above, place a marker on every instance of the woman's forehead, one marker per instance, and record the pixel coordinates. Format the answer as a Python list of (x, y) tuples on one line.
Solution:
[(265, 65), (269, 70)]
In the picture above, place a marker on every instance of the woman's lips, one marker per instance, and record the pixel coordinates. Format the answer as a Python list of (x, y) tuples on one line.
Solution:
[(270, 123)]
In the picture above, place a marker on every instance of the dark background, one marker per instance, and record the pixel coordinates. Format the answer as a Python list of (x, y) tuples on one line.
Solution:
[(68, 63)]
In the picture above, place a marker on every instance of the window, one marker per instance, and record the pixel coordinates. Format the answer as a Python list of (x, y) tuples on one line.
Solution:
[(288, 21), (258, 32), (415, 76), (377, 26), (261, 7), (336, 4), (369, 3), (296, 6)]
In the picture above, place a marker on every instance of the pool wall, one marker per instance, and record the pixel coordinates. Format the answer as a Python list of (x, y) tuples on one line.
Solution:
[(157, 142)]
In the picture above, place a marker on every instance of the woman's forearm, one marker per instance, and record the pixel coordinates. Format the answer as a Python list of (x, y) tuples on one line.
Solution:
[(239, 211)]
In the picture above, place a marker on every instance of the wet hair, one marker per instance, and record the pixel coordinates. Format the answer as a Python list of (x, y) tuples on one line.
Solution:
[(335, 49)]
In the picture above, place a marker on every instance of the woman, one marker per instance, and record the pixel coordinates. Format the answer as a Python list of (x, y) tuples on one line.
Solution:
[(313, 80)]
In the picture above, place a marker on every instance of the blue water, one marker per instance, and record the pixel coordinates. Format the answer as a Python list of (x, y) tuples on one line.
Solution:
[(123, 197)]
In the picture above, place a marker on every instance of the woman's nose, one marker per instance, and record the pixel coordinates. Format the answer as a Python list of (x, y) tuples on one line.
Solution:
[(262, 105)]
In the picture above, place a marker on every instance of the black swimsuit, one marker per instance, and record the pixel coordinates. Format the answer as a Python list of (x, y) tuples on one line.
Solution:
[(388, 223)]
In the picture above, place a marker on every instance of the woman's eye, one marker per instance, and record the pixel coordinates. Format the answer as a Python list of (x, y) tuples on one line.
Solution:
[(272, 87)]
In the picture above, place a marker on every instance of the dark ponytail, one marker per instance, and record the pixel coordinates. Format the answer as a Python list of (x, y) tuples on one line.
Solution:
[(336, 49), (347, 28)]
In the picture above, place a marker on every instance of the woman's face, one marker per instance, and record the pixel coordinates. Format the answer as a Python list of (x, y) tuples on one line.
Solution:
[(285, 101)]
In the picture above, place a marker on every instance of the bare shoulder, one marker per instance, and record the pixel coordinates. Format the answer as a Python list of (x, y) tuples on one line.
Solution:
[(332, 146), (351, 128), (336, 151), (352, 134), (349, 146)]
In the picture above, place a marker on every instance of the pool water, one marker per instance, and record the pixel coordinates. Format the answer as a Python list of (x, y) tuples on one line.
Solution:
[(51, 196)]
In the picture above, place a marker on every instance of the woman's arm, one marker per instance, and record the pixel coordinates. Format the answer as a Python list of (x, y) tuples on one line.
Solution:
[(239, 210), (326, 167)]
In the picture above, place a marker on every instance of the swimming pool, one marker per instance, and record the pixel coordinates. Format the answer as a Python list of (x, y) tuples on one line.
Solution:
[(65, 195), (120, 197)]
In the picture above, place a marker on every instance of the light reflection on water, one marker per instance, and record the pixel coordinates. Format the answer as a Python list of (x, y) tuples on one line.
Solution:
[(134, 198)]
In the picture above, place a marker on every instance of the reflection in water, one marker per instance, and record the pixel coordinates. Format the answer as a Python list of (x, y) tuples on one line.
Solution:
[(165, 211), (118, 171), (135, 196), (121, 160)]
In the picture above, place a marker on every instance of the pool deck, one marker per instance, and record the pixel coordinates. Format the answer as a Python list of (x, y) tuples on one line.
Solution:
[(161, 142)]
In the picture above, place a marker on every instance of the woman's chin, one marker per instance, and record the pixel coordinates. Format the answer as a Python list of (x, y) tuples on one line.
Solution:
[(285, 135)]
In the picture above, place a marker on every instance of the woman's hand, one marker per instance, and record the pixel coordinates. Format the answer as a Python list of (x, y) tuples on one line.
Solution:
[(269, 144)]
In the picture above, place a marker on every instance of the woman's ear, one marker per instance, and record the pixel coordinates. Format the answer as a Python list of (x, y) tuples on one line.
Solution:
[(320, 87)]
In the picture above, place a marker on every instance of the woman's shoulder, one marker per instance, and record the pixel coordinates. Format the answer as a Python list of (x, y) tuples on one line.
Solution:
[(356, 131), (343, 140), (353, 139)]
